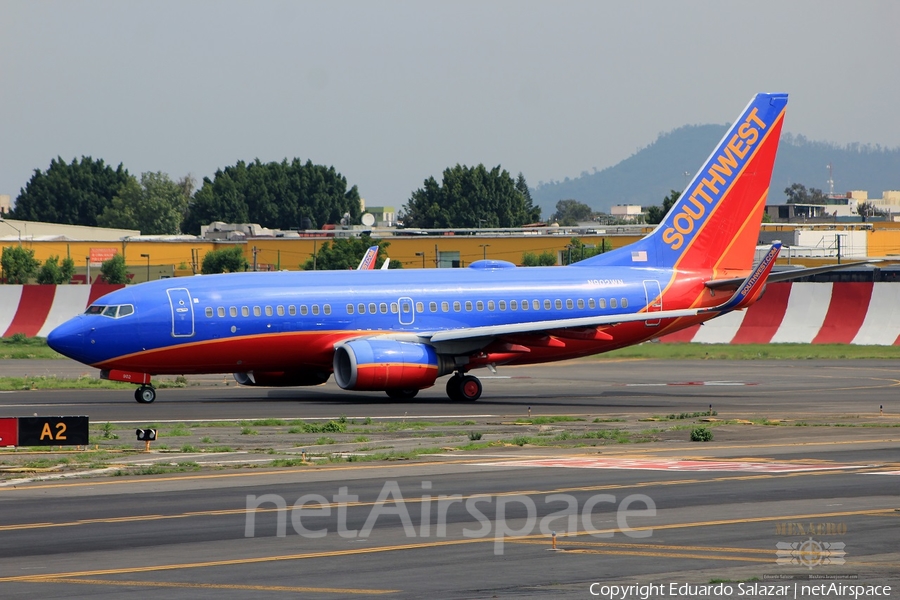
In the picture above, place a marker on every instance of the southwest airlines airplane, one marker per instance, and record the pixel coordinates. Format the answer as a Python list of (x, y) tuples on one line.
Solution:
[(398, 331)]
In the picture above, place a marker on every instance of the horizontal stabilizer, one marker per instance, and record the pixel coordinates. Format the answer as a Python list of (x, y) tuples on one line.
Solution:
[(735, 282)]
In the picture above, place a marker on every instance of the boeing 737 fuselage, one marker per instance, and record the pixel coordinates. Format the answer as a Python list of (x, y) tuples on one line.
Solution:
[(398, 331)]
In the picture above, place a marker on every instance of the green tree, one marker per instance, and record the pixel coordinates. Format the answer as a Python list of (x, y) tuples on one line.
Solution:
[(533, 213), (798, 194), (74, 193), (54, 272), (655, 214), (113, 270), (571, 212), (577, 250), (544, 259), (156, 206), (345, 253), (469, 197), (285, 195), (226, 260), (19, 264)]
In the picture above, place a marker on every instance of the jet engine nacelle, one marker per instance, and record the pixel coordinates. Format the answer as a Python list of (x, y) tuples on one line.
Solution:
[(387, 364), (281, 378)]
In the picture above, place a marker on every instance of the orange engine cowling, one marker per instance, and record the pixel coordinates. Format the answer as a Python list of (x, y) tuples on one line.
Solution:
[(387, 364)]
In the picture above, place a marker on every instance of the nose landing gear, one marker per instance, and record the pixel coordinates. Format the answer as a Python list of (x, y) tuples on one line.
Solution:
[(145, 394)]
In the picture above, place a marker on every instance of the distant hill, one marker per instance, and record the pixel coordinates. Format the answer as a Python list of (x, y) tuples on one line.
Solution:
[(647, 176)]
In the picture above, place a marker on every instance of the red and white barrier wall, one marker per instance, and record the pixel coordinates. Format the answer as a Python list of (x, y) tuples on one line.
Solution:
[(816, 313), (36, 309), (808, 313)]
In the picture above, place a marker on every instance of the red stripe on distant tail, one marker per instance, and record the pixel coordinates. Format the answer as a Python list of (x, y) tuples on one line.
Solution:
[(764, 318), (846, 313), (34, 306)]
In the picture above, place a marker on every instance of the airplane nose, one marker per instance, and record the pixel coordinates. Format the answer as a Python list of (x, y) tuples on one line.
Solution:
[(68, 338)]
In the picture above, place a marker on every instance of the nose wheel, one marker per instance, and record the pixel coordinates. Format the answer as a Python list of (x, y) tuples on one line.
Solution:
[(145, 394), (464, 388)]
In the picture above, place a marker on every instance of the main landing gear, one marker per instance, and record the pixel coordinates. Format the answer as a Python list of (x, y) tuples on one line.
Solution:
[(145, 394), (464, 388)]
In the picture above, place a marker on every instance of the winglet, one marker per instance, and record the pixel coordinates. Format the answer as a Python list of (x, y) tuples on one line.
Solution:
[(753, 286)]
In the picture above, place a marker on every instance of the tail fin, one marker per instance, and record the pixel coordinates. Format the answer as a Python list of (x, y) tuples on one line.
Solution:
[(368, 260), (715, 222)]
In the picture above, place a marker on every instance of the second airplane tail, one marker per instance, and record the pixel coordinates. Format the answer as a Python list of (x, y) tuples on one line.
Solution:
[(715, 222)]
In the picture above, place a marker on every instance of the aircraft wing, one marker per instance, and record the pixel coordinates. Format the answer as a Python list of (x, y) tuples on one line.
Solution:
[(746, 294)]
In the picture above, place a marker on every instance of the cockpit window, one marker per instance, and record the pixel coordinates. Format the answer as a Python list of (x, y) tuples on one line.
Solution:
[(114, 312)]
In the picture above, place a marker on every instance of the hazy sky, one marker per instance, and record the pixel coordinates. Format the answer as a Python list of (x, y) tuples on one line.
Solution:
[(392, 92)]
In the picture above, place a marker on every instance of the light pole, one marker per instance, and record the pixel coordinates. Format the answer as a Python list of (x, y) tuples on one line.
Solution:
[(19, 231), (422, 254), (147, 256), (484, 248)]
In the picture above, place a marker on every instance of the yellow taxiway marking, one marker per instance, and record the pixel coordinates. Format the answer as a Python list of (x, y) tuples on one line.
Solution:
[(211, 586), (628, 545), (434, 544), (414, 500), (281, 472)]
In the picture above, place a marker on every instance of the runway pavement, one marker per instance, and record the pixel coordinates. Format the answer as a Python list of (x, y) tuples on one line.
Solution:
[(772, 507)]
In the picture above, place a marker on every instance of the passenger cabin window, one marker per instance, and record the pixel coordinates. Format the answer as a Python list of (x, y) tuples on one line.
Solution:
[(394, 308), (326, 308), (491, 305), (536, 305), (220, 311), (256, 311), (420, 308), (209, 311), (280, 310), (602, 303), (315, 309), (349, 309), (612, 303), (232, 311), (372, 308), (245, 311), (268, 311), (468, 305), (546, 305), (479, 305), (432, 306), (558, 304), (581, 303), (624, 302), (304, 310), (503, 304), (569, 304), (383, 308), (457, 306), (513, 305), (292, 310), (361, 308), (445, 307)]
